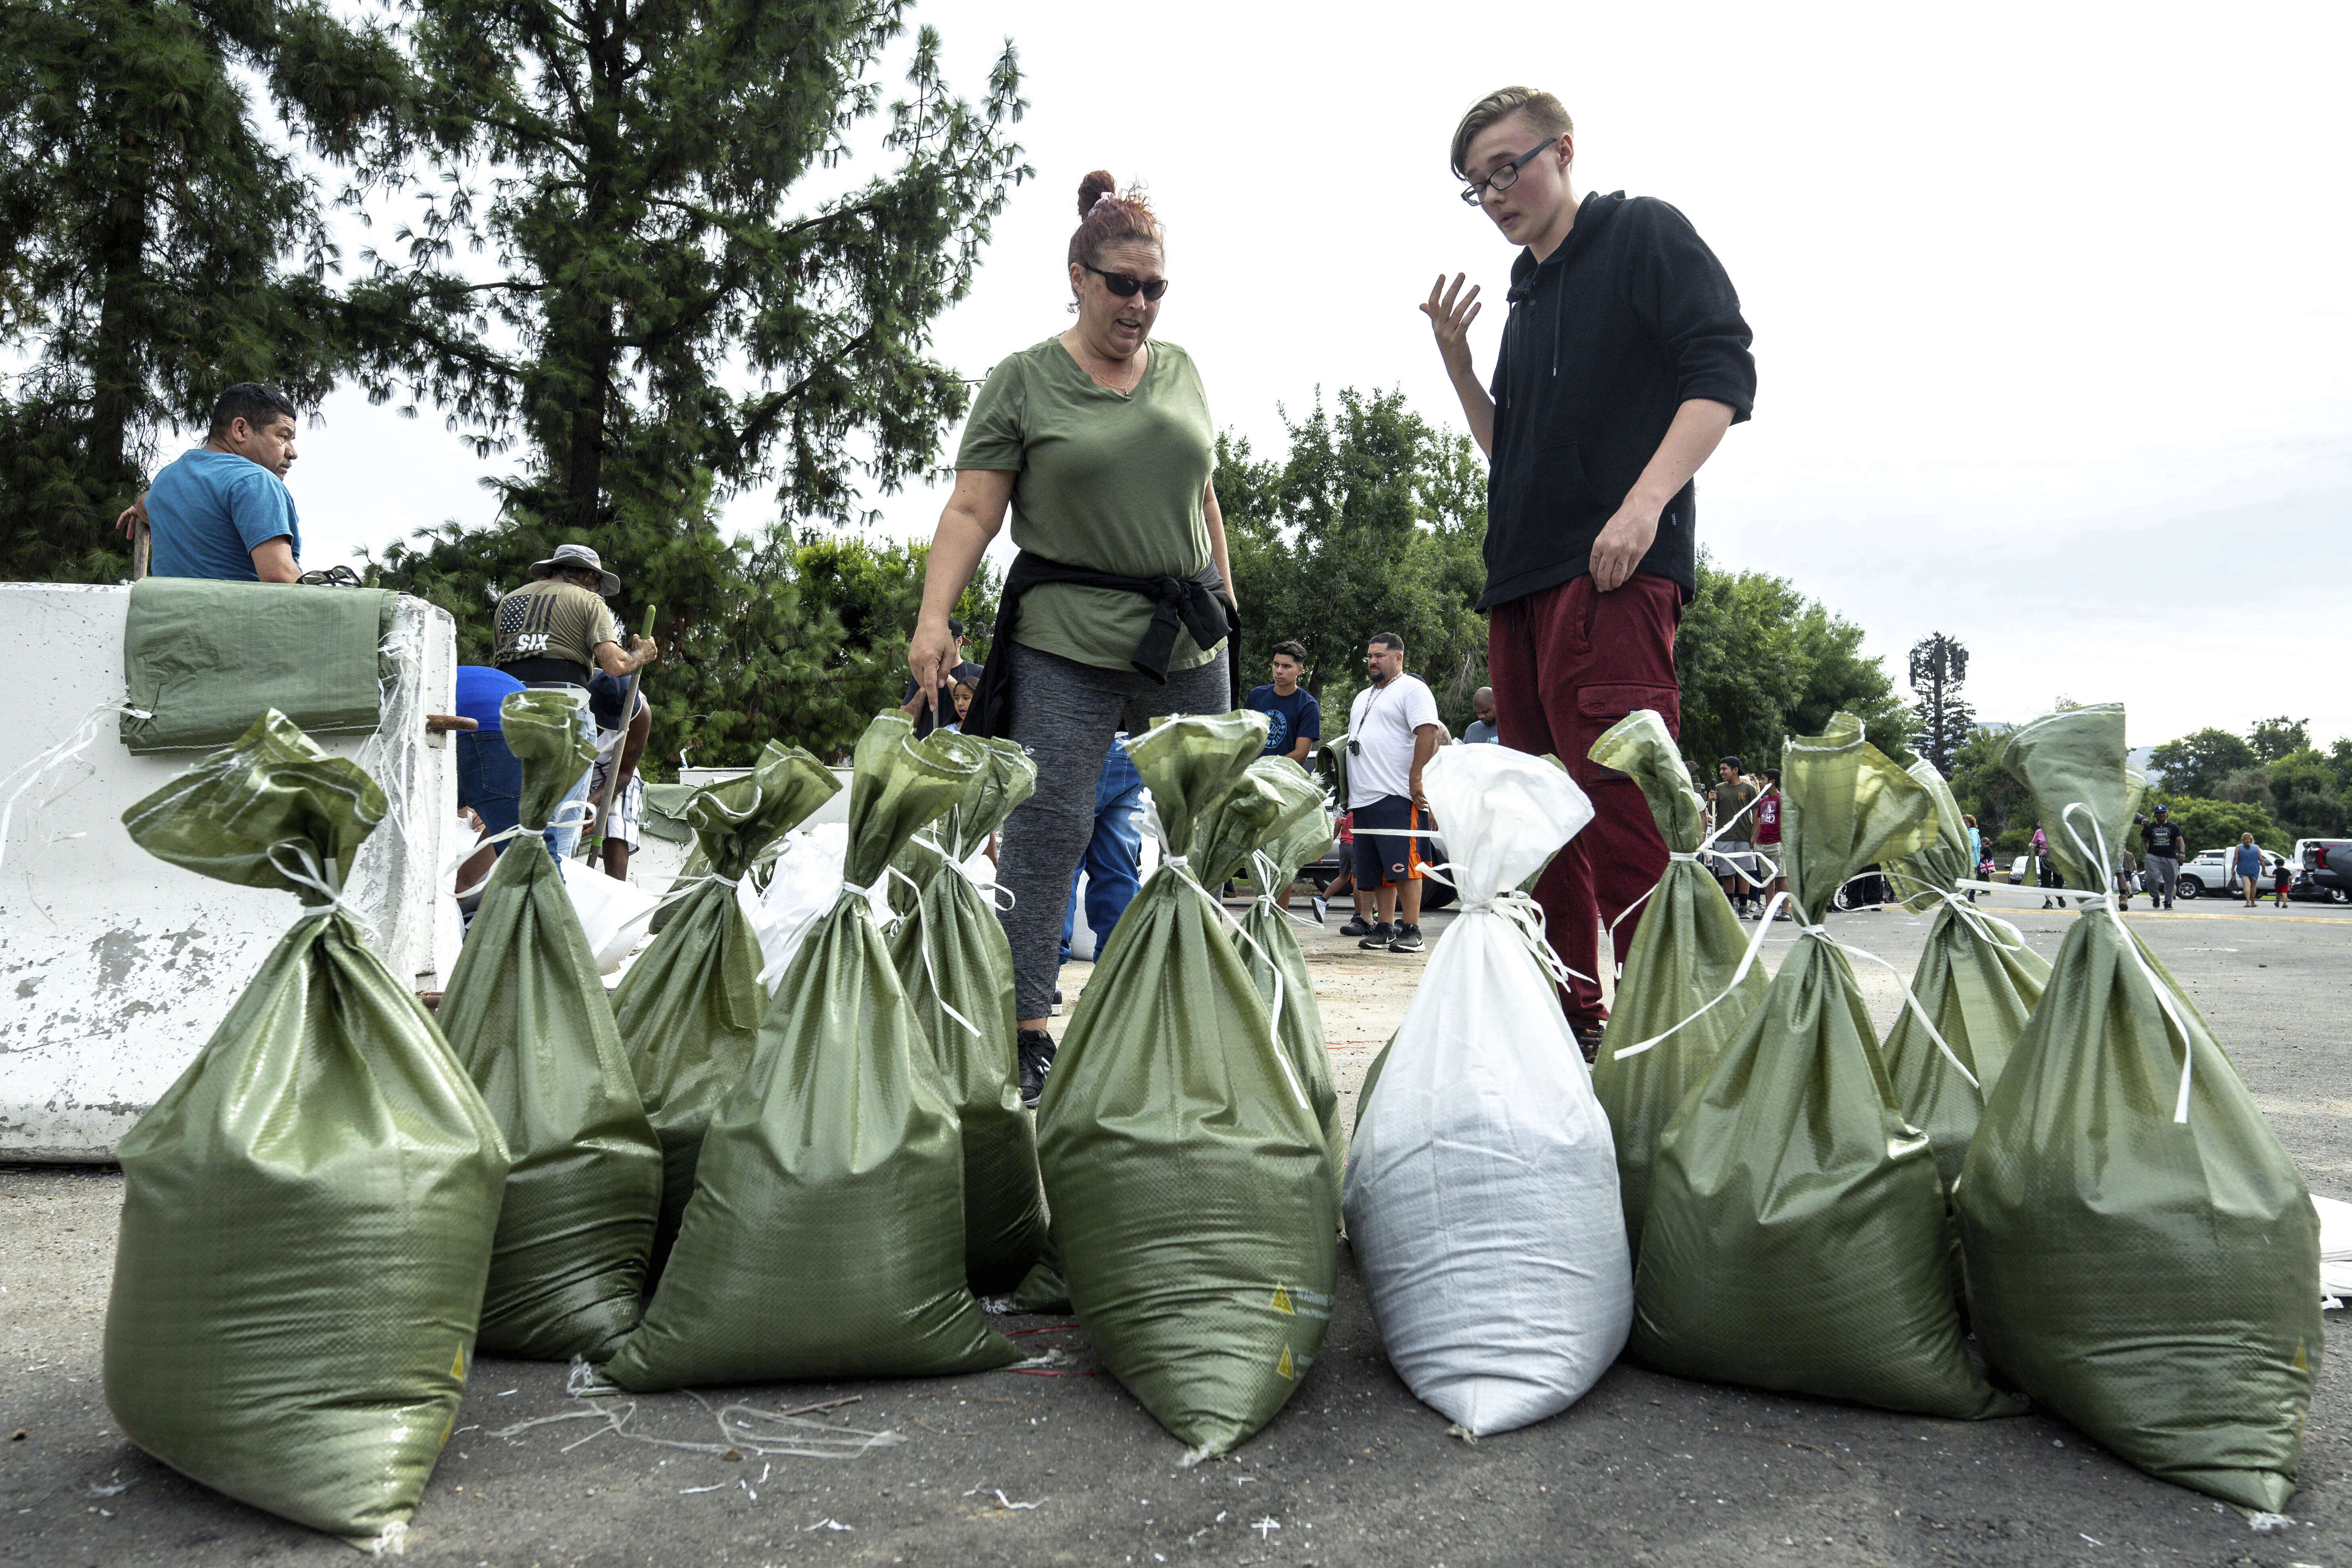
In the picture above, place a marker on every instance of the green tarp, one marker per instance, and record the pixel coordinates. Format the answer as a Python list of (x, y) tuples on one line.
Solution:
[(825, 1237), (1189, 1183), (526, 1013), (688, 1009), (957, 966), (204, 659), (308, 1210), (1975, 979), (1671, 1017), (1795, 1237), (2147, 1269)]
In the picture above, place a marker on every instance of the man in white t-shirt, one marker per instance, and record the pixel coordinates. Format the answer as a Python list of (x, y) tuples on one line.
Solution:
[(1392, 731)]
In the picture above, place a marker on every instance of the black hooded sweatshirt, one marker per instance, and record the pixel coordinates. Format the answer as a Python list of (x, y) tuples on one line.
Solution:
[(1632, 317)]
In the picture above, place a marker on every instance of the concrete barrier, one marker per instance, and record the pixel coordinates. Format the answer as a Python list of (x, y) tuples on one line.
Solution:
[(116, 967)]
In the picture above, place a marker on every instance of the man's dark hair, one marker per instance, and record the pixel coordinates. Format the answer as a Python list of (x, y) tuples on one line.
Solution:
[(1297, 652), (1772, 776), (1389, 639), (1731, 762), (257, 404)]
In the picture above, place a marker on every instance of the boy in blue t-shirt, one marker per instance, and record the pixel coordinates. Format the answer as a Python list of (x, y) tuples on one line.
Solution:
[(1294, 719), (222, 510)]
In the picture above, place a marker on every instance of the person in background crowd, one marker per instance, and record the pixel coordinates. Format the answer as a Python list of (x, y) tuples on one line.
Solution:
[(2046, 872), (2163, 848), (2127, 879), (555, 631), (1732, 794), (1975, 851), (1482, 730), (1391, 735), (1293, 717), (490, 779), (2246, 864), (1624, 362), (1114, 853), (2282, 881), (623, 744), (1118, 610), (1767, 813), (222, 510), (2039, 842), (919, 706)]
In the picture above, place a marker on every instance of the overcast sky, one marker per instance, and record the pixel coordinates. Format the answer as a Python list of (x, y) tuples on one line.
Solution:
[(2049, 301)]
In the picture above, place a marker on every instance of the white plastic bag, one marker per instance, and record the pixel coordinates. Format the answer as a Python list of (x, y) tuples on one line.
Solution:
[(1481, 1190), (2334, 1246), (803, 883), (614, 914)]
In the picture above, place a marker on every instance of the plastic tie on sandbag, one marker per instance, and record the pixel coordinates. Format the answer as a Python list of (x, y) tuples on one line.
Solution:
[(1183, 868), (2107, 901)]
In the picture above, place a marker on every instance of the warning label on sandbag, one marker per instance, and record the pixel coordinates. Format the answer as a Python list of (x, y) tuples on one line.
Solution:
[(1293, 1302)]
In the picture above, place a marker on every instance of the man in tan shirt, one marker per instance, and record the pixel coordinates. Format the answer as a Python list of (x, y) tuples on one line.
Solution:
[(553, 628)]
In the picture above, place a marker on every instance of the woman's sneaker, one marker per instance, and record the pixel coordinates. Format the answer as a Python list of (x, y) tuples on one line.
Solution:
[(1035, 1047), (1407, 940), (1379, 936)]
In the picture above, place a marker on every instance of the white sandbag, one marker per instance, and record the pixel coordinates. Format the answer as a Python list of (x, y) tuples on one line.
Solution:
[(2334, 1246), (803, 883), (1481, 1189), (615, 914)]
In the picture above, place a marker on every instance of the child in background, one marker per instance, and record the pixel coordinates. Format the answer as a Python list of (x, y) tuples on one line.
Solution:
[(2283, 877)]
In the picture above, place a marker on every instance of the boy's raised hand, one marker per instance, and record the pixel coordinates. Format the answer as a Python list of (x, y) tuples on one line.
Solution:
[(1450, 313)]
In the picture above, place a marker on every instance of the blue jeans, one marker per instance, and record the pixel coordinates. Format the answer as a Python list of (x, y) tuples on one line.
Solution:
[(489, 780), (1112, 854)]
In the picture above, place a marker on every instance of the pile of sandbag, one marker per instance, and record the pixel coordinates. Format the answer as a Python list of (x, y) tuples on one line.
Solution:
[(688, 1008), (526, 1013), (2118, 1147), (1690, 979), (825, 1235), (1795, 1234), (957, 967), (1482, 1195), (1189, 1180), (308, 1211), (1976, 983)]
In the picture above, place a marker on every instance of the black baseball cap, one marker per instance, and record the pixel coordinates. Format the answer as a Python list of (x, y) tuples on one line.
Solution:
[(955, 625)]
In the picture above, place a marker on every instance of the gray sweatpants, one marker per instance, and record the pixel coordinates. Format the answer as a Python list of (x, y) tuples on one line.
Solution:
[(1063, 715), (2163, 876)]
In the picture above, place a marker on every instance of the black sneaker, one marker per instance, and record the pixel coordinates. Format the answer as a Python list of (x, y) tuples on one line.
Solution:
[(1407, 940), (1036, 1051), (1588, 1038), (1379, 936), (1360, 926)]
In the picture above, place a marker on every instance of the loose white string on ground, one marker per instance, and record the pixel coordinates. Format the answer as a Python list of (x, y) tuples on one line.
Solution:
[(743, 1428), (2106, 901)]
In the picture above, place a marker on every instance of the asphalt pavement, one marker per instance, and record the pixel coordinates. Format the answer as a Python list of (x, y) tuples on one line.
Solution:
[(1054, 1464)]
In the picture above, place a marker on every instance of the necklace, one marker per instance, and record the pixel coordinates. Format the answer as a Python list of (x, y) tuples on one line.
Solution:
[(1108, 385)]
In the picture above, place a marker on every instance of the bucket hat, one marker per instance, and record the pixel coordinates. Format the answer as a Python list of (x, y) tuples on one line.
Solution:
[(574, 556)]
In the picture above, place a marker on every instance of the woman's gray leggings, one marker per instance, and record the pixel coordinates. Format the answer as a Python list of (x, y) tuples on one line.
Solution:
[(1063, 715)]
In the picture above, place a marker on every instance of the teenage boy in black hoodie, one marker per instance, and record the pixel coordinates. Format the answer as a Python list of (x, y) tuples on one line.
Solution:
[(1622, 363)]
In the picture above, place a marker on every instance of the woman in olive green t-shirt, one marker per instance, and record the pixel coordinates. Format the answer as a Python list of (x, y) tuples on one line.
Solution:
[(1099, 442)]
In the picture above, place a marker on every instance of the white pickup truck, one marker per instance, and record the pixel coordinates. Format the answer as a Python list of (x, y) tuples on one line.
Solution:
[(2210, 873)]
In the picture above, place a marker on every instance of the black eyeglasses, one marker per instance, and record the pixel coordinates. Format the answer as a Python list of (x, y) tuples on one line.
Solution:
[(1502, 179), (1127, 287)]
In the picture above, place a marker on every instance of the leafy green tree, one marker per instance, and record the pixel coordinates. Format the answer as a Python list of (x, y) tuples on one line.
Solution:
[(159, 239), (2215, 824), (1942, 717), (2307, 796), (1372, 522), (2272, 739), (1987, 791), (2195, 764)]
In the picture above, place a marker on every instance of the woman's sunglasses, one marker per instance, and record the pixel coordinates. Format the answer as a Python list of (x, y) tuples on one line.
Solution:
[(1127, 287)]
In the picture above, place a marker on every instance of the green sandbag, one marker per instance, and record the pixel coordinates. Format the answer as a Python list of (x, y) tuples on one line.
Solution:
[(1795, 1236), (2151, 1276), (1688, 987), (825, 1237), (688, 1008), (957, 966), (526, 1013), (1976, 980), (1299, 835), (1189, 1183), (308, 1210)]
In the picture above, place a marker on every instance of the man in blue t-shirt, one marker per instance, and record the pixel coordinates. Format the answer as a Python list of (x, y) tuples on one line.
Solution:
[(222, 510), (1294, 719)]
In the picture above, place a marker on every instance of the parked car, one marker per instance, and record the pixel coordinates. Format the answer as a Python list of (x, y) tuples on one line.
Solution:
[(2324, 869), (2211, 873)]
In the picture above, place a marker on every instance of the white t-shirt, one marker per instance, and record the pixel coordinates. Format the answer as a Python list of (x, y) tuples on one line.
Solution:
[(1381, 723)]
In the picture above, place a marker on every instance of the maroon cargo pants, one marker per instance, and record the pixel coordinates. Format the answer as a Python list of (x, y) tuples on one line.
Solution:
[(1567, 663)]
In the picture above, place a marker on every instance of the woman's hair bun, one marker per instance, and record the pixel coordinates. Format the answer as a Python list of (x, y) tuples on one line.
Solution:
[(1093, 188)]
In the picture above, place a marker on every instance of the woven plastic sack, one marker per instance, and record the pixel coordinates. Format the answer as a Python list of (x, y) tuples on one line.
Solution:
[(2120, 1145), (308, 1210), (1795, 1237), (526, 1013), (1977, 982), (1687, 986), (957, 966), (825, 1237), (1299, 835), (1482, 1190), (689, 1006), (803, 883), (1188, 1181)]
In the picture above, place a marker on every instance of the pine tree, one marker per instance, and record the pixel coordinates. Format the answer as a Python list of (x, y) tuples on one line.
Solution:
[(1939, 665), (159, 240)]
